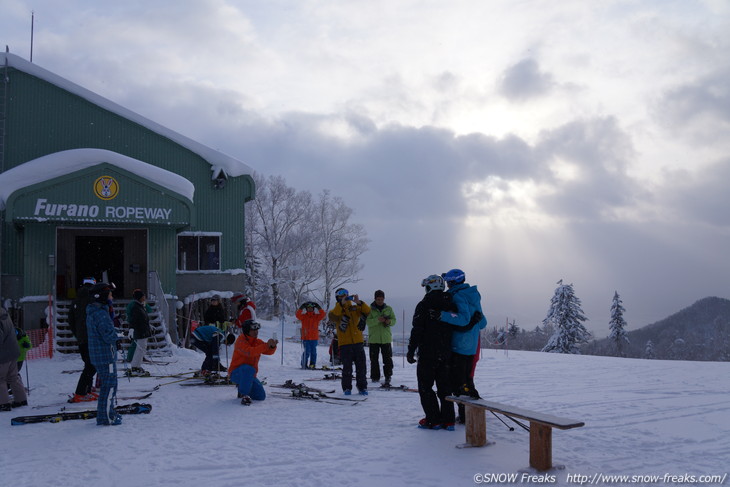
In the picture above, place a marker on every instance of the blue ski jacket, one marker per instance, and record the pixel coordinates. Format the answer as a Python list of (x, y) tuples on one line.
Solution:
[(467, 300), (102, 334)]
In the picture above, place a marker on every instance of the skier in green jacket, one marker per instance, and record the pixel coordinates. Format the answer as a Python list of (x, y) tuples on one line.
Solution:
[(380, 321)]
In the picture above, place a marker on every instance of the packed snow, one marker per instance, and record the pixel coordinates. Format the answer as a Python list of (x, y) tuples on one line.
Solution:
[(643, 419)]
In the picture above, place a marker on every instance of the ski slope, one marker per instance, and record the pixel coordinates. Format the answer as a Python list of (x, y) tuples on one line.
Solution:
[(646, 420)]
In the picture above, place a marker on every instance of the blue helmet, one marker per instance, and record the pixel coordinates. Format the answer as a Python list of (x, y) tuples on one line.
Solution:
[(454, 276)]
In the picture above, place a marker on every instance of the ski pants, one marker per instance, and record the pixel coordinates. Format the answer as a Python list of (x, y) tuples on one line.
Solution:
[(105, 412), (462, 367), (309, 356), (429, 371), (354, 352), (83, 387), (211, 351), (139, 351), (386, 349), (248, 385), (9, 376)]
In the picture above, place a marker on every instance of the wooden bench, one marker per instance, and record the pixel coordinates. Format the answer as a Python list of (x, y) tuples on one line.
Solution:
[(541, 427)]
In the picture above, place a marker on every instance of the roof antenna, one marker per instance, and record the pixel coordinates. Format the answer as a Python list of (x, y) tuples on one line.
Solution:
[(32, 23)]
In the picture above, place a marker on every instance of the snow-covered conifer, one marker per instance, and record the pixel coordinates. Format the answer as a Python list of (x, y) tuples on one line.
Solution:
[(566, 316), (618, 325)]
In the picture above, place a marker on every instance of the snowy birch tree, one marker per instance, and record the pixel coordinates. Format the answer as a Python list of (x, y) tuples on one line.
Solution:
[(566, 316), (341, 244), (280, 211), (618, 325)]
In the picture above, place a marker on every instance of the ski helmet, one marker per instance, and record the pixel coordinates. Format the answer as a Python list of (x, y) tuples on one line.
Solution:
[(250, 325), (454, 276), (100, 292), (433, 283)]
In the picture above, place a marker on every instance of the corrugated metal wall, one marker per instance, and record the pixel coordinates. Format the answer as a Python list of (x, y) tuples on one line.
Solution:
[(43, 118)]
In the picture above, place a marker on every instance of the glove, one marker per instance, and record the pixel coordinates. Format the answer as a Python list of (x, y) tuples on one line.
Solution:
[(345, 321), (411, 359), (434, 314), (26, 345)]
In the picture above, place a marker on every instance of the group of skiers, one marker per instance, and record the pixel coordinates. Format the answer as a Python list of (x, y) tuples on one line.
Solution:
[(444, 341)]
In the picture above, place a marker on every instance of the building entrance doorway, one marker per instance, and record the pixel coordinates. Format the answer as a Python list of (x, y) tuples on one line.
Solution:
[(114, 255)]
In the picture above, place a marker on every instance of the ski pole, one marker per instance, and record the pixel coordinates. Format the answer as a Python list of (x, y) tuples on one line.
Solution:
[(511, 428), (27, 378)]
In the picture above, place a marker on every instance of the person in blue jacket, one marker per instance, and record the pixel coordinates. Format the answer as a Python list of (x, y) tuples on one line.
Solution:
[(207, 339), (469, 320), (103, 351)]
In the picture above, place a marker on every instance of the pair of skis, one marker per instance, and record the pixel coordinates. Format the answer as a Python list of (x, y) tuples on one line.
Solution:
[(135, 408)]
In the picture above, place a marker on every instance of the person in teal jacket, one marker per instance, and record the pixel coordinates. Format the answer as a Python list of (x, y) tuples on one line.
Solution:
[(464, 344), (380, 321)]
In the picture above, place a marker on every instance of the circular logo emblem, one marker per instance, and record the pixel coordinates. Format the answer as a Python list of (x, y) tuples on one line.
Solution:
[(106, 188)]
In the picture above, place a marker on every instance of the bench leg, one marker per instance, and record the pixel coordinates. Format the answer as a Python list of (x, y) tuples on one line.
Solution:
[(541, 446), (476, 426)]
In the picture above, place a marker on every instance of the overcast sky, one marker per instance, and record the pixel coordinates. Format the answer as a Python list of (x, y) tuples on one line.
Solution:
[(523, 142)]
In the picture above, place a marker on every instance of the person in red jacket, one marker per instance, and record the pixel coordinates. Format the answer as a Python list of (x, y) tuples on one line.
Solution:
[(245, 362), (246, 309), (310, 314)]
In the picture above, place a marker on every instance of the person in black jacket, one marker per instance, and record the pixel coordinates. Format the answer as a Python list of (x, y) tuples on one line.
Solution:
[(431, 341), (77, 323), (139, 321), (216, 313)]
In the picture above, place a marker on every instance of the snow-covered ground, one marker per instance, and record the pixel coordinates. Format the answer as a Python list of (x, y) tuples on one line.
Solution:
[(643, 418)]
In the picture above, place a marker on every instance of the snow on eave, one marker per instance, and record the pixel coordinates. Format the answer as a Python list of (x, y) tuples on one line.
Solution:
[(61, 163), (233, 167)]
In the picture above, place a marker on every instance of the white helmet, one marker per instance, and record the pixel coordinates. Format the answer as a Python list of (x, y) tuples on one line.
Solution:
[(433, 283)]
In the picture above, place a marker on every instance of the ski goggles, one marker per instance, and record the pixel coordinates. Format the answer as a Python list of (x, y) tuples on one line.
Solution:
[(255, 326), (341, 293)]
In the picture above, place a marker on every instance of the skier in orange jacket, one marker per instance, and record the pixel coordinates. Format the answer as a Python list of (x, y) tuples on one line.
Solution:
[(310, 314), (245, 362)]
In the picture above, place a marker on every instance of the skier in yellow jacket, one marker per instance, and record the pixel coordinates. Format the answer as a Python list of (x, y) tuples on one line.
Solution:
[(349, 315)]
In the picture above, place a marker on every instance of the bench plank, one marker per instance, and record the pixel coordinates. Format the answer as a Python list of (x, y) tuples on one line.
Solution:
[(515, 412)]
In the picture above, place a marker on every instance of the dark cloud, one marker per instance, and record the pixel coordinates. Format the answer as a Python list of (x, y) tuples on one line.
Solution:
[(524, 80), (600, 154), (699, 110)]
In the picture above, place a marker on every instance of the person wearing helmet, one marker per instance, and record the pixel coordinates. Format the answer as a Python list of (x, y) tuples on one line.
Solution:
[(245, 362), (103, 351), (431, 341), (350, 315), (464, 344)]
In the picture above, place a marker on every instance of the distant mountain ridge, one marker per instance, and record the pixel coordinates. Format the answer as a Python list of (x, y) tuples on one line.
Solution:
[(699, 332)]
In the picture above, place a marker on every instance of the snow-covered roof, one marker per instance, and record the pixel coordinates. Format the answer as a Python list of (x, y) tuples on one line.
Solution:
[(66, 162), (233, 167)]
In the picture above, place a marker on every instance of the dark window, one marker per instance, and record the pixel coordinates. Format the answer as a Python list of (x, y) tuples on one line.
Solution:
[(198, 252)]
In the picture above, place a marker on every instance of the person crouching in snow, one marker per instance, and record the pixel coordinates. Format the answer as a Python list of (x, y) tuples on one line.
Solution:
[(245, 362)]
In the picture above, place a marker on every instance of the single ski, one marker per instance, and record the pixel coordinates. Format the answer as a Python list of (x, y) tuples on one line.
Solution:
[(332, 376), (83, 403), (223, 381), (396, 388), (298, 396), (290, 384), (135, 408)]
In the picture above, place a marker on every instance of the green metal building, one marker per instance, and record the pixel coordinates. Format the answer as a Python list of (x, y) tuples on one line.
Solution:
[(89, 188)]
